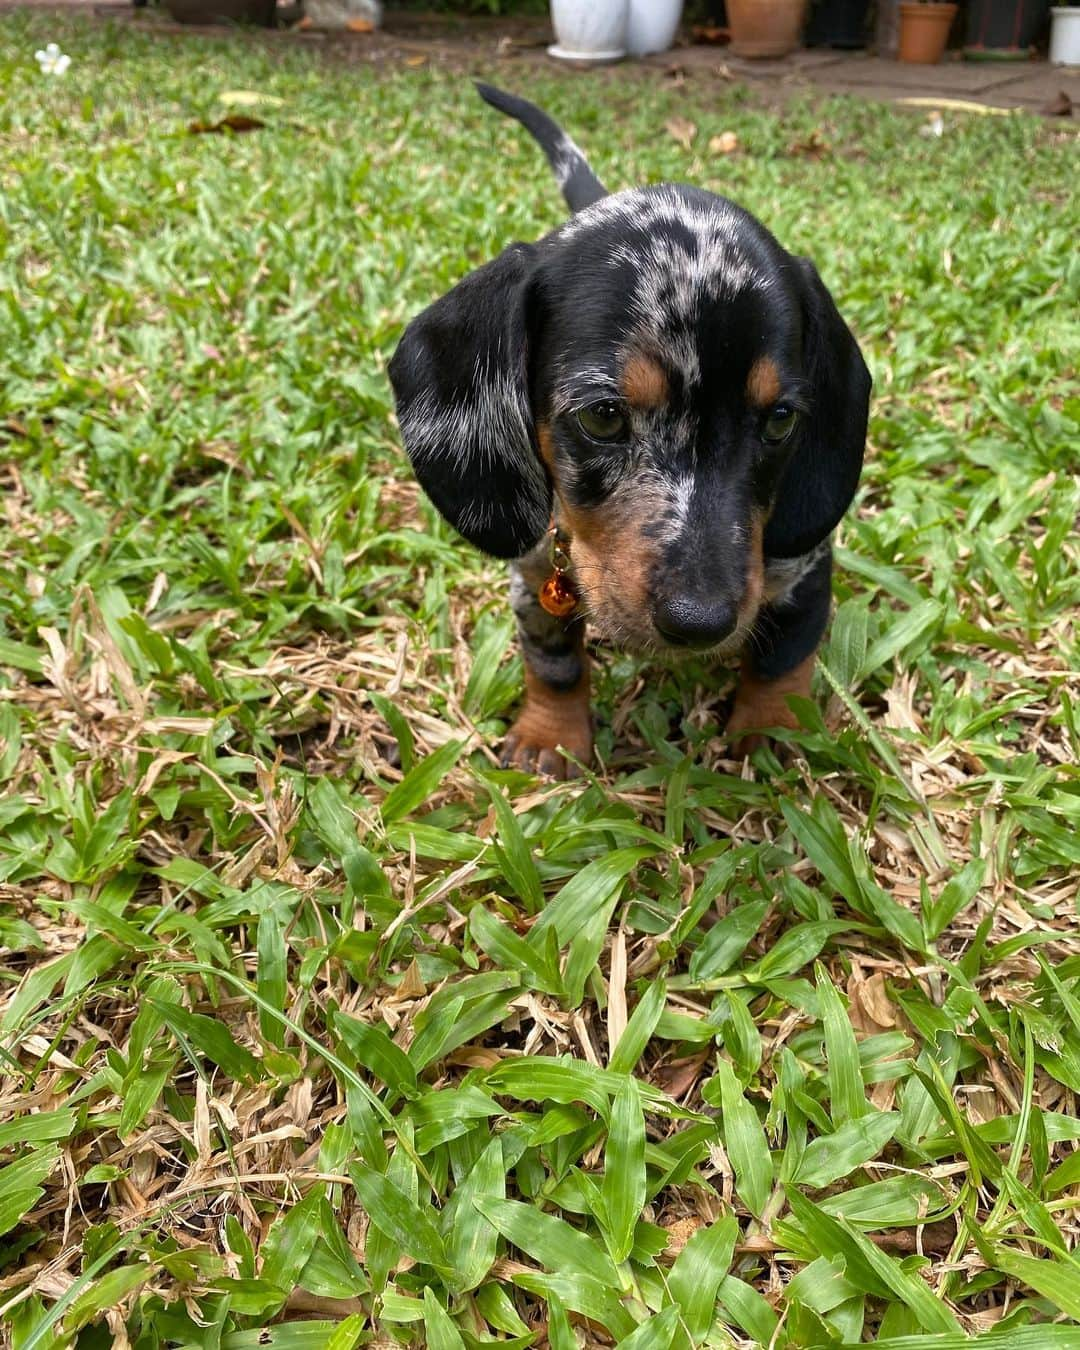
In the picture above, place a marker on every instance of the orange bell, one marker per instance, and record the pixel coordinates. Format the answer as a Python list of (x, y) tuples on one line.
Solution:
[(557, 595)]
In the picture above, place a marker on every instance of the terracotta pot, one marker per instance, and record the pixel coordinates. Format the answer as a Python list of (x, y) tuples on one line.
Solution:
[(924, 30), (765, 27)]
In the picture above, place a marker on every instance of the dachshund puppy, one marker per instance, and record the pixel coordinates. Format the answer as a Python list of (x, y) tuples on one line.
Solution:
[(661, 407)]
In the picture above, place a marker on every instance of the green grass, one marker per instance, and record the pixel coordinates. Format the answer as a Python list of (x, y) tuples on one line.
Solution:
[(307, 1010)]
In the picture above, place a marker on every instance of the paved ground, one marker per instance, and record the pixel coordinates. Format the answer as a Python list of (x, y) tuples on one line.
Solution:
[(1030, 85)]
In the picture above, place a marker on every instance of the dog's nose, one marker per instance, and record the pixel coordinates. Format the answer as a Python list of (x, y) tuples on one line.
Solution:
[(693, 623)]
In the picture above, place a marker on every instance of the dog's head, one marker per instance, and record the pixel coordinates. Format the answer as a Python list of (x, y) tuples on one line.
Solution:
[(661, 373)]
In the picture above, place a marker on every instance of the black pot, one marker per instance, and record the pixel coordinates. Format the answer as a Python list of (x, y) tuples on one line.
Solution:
[(1004, 28), (837, 23), (259, 12)]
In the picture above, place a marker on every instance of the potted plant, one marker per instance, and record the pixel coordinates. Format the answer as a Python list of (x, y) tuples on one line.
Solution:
[(589, 30), (651, 25), (1003, 30), (356, 16), (765, 27), (924, 30), (1065, 35)]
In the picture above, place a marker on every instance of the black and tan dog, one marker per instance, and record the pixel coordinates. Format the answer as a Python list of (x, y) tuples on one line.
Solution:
[(663, 407)]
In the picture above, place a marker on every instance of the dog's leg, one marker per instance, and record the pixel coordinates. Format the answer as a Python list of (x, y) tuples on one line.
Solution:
[(556, 709), (779, 659)]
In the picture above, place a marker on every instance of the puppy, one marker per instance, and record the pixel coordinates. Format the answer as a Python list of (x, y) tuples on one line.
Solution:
[(658, 414)]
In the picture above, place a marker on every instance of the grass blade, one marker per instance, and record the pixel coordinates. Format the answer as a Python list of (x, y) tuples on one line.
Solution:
[(846, 1090), (409, 1223), (698, 1272), (623, 1190)]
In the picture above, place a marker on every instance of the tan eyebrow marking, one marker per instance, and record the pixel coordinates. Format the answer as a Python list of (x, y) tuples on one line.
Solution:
[(763, 383), (644, 383)]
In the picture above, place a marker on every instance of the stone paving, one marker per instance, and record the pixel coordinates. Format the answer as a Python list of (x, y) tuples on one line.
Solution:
[(1029, 85)]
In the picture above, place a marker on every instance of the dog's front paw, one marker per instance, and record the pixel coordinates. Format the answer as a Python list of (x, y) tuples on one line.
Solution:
[(742, 731), (764, 703), (537, 742)]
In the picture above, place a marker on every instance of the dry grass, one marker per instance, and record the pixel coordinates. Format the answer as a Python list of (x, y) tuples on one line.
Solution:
[(318, 1028)]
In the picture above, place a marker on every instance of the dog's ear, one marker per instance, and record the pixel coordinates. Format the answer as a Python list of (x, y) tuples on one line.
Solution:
[(820, 480), (461, 384)]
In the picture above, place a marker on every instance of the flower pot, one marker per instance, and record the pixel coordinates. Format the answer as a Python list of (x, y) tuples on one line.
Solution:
[(838, 23), (1003, 30), (358, 16), (259, 12), (765, 27), (589, 30), (924, 30), (1065, 36), (651, 25)]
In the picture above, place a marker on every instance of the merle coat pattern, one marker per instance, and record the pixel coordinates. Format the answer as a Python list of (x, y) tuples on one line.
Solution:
[(679, 394)]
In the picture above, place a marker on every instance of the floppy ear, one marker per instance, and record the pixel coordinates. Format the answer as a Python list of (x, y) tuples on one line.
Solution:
[(820, 479), (460, 377)]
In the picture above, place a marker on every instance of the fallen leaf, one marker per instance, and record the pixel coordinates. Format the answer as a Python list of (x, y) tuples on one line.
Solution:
[(813, 147), (415, 60), (359, 25), (680, 1231), (248, 98), (1061, 106), (934, 1239), (411, 984), (234, 122), (681, 130), (873, 997), (711, 34), (724, 144), (680, 1075)]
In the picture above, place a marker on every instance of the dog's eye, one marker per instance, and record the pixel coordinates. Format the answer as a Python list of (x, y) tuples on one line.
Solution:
[(603, 421), (781, 423)]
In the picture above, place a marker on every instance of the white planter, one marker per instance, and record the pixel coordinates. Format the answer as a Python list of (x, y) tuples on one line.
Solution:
[(651, 25), (589, 30), (1065, 36)]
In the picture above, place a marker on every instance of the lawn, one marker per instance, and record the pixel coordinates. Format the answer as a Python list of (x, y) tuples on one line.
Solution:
[(319, 1029)]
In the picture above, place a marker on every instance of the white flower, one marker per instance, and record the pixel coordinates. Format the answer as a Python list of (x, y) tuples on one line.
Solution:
[(52, 60), (935, 125)]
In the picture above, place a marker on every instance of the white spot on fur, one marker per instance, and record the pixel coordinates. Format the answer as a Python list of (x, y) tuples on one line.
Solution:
[(682, 497), (489, 425), (782, 575), (586, 384), (566, 159), (674, 284)]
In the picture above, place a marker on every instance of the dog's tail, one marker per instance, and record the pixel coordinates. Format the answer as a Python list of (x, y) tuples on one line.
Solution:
[(580, 186)]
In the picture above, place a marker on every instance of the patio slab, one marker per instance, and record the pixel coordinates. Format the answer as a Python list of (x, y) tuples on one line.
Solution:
[(956, 78)]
